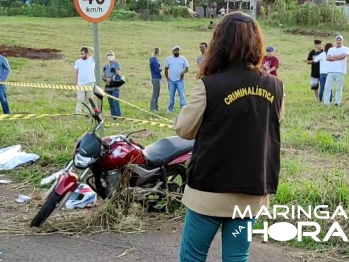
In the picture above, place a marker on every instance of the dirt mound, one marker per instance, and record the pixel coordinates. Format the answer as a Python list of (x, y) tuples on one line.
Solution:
[(30, 53), (310, 32)]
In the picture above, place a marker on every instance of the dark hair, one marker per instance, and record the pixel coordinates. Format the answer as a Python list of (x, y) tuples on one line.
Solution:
[(84, 49), (203, 44), (317, 41), (237, 41), (156, 50), (328, 46)]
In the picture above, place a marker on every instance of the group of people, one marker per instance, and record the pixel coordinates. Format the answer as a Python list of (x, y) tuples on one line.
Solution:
[(234, 112), (328, 69), (176, 66), (85, 76)]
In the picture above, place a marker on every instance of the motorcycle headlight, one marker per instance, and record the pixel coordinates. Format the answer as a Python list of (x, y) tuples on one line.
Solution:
[(82, 161)]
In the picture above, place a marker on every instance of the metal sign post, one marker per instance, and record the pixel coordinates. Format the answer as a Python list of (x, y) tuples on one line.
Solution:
[(98, 62), (253, 7), (95, 11)]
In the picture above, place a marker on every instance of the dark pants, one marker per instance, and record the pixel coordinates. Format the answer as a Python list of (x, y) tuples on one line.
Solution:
[(322, 87), (199, 231), (156, 92), (113, 103), (3, 100)]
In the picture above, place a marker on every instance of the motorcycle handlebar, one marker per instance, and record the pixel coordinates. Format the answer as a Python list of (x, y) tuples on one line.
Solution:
[(95, 108), (97, 114)]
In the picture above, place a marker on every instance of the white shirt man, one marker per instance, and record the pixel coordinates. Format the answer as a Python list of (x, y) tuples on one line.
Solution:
[(176, 66), (337, 69), (85, 76)]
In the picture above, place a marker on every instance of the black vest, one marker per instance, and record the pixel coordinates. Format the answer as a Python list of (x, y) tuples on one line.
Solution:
[(237, 148)]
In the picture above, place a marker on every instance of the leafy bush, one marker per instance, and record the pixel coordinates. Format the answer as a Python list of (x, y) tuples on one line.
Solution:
[(124, 15), (164, 14), (38, 8), (141, 9), (36, 11), (145, 7), (176, 11), (309, 14)]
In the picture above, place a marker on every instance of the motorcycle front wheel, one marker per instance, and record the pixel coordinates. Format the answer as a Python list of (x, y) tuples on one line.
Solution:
[(46, 210)]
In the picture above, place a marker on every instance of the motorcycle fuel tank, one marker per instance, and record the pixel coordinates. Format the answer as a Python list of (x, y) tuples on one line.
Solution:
[(120, 155)]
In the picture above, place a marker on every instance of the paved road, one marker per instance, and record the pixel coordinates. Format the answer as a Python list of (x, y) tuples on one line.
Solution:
[(153, 246), (149, 247)]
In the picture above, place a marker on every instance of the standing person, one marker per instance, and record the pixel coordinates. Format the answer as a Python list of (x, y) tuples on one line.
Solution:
[(324, 67), (337, 70), (84, 76), (234, 112), (201, 58), (315, 67), (176, 67), (5, 71), (109, 71), (270, 61), (155, 70)]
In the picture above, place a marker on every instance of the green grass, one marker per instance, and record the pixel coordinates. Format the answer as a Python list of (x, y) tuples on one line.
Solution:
[(314, 138)]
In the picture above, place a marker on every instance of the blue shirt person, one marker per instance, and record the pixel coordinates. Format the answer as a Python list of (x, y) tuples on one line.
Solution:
[(5, 71), (109, 70), (176, 67), (155, 70)]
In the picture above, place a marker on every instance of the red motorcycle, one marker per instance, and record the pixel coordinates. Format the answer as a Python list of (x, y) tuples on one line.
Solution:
[(105, 160)]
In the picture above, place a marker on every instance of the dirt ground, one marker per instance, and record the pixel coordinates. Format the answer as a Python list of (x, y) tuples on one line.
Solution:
[(30, 53), (161, 245)]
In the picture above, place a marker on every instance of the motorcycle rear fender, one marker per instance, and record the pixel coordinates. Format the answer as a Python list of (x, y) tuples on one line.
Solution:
[(181, 160), (68, 182)]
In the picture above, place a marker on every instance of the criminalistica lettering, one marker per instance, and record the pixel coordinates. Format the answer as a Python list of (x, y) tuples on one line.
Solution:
[(247, 91)]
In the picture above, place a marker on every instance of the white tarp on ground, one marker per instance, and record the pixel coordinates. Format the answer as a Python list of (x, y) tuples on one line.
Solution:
[(13, 156)]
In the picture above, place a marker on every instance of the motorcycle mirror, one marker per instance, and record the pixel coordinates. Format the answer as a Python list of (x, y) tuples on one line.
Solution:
[(98, 92)]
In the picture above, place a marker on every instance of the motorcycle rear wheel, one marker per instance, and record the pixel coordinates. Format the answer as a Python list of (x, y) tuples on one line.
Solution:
[(172, 174), (46, 210)]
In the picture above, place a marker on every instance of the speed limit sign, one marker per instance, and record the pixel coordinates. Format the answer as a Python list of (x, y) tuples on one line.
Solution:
[(94, 11)]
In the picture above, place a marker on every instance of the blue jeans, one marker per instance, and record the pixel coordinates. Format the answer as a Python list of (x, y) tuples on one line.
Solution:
[(114, 104), (3, 100), (199, 231), (322, 87), (178, 86)]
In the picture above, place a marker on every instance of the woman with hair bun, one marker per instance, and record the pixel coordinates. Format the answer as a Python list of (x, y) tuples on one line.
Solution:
[(234, 115)]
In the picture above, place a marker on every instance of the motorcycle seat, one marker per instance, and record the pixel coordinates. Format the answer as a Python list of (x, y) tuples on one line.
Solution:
[(164, 151)]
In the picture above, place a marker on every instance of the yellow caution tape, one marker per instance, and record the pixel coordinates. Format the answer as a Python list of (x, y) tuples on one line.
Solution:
[(139, 108), (139, 121), (78, 88), (49, 86), (28, 116), (122, 119)]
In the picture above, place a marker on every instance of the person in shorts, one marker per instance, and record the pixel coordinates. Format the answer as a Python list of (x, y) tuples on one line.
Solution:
[(315, 67)]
